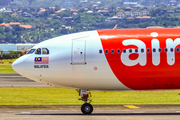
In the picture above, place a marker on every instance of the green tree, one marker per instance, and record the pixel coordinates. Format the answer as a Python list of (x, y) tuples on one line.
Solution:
[(9, 37), (2, 37), (7, 29)]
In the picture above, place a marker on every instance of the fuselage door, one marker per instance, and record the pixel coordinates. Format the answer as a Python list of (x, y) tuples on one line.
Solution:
[(78, 55)]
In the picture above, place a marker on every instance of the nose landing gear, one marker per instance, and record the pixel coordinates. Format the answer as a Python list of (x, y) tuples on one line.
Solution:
[(86, 108)]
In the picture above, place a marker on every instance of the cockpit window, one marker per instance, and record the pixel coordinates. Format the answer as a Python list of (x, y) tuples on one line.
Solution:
[(31, 51), (38, 51), (45, 51)]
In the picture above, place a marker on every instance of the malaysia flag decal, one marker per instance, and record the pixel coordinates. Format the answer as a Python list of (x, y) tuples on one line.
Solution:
[(41, 60)]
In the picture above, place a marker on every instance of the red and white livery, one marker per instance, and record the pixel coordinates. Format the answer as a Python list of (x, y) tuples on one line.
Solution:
[(108, 60)]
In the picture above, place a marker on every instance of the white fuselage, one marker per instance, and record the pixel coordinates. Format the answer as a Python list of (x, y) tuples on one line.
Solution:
[(75, 61)]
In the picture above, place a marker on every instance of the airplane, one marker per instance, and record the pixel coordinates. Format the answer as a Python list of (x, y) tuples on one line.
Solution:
[(106, 60)]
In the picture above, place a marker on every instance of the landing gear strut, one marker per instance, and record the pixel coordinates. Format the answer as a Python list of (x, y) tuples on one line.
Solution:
[(86, 108)]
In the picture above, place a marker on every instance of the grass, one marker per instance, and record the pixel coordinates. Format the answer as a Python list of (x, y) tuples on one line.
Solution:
[(59, 96), (6, 66)]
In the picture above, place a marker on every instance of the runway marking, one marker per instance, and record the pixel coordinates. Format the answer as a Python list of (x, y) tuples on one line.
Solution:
[(133, 118), (25, 112), (52, 110), (139, 112), (178, 111), (138, 118), (9, 111), (131, 106), (73, 109), (11, 76)]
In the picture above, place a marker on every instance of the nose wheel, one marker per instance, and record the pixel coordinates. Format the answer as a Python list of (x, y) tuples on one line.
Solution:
[(86, 108)]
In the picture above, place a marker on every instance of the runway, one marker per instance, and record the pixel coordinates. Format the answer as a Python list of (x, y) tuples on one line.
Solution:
[(74, 113), (14, 80), (67, 112)]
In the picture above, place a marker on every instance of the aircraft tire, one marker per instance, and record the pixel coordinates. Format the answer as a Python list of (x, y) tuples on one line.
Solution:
[(87, 108)]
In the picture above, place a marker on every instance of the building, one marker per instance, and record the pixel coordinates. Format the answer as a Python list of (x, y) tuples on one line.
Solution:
[(120, 15), (74, 10), (58, 11), (177, 11), (25, 14), (135, 14), (28, 27), (103, 12), (145, 13), (5, 24), (94, 5), (173, 3), (89, 12), (66, 27), (83, 1), (170, 11), (128, 14), (75, 13), (114, 18), (143, 17), (68, 18), (14, 23), (11, 24), (128, 9), (8, 11)]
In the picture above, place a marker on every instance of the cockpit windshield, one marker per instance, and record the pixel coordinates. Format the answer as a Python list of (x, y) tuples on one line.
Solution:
[(38, 51), (31, 51), (45, 51), (42, 51)]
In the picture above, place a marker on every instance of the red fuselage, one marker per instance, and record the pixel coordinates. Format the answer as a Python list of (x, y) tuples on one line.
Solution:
[(148, 58)]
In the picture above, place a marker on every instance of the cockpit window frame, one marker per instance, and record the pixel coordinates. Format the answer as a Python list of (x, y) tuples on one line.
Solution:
[(38, 52), (31, 51), (47, 53)]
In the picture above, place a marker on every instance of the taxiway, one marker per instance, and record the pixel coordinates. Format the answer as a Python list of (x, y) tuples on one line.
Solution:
[(103, 113), (14, 80)]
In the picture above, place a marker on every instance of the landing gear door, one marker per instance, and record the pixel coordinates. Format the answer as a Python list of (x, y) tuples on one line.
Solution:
[(78, 55)]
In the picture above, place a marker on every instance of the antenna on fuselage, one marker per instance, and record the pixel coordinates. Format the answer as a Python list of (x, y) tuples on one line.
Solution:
[(115, 27)]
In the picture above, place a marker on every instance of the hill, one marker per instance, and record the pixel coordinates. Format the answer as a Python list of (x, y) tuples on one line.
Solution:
[(42, 3), (82, 3)]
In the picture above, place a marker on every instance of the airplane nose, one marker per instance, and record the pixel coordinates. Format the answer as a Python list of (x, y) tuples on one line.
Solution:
[(18, 65)]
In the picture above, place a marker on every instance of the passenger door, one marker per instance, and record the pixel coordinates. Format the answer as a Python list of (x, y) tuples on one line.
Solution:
[(78, 55)]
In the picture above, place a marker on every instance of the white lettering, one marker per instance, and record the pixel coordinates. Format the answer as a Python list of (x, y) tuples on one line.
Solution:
[(142, 55), (156, 53), (155, 44), (171, 45)]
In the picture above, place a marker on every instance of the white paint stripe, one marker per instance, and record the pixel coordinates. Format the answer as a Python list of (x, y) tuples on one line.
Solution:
[(25, 112), (9, 76), (178, 111), (40, 110), (52, 110), (139, 112)]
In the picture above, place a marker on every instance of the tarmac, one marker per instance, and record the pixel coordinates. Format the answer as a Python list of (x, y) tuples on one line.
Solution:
[(14, 80), (99, 113), (73, 112)]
